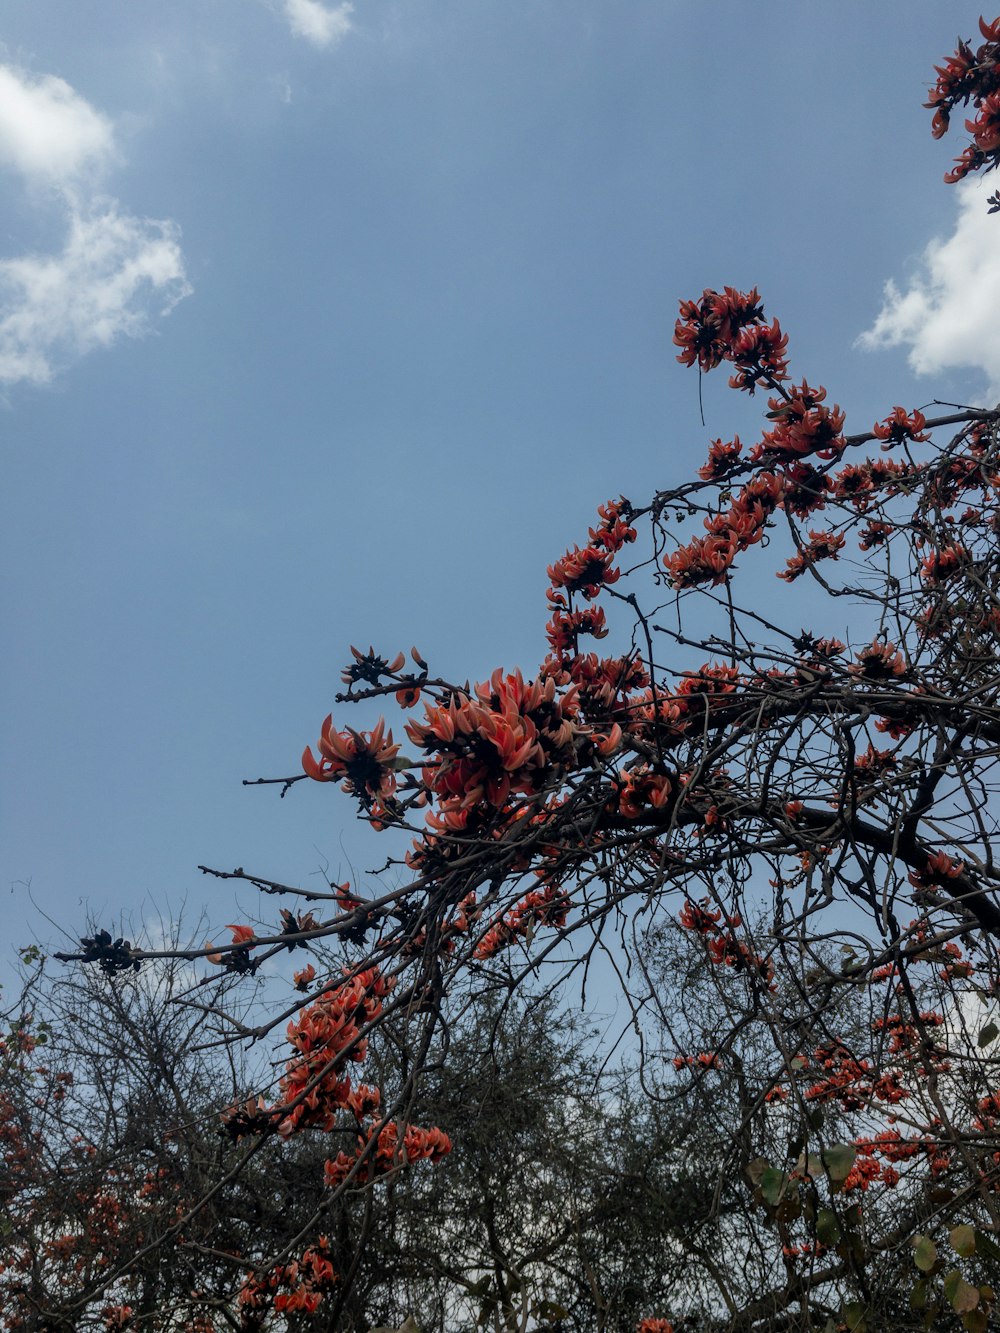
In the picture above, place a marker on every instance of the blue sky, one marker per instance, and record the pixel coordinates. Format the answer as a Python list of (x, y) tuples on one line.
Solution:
[(323, 325)]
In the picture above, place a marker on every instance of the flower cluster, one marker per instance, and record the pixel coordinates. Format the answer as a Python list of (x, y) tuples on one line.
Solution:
[(722, 459), (879, 661), (710, 558), (298, 1286), (381, 1152), (803, 425), (848, 1081), (825, 545), (971, 76), (709, 330), (507, 736), (370, 667), (723, 946), (944, 563), (326, 1035), (939, 868), (547, 906), (586, 571)]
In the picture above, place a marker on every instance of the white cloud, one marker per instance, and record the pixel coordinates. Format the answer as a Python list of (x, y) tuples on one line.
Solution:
[(47, 130), (949, 315), (113, 272), (318, 24)]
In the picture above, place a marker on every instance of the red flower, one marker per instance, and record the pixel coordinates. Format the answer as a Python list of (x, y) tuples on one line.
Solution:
[(804, 426)]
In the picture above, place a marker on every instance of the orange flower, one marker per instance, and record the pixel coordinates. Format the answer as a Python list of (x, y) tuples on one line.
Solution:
[(585, 571), (879, 661), (898, 426), (938, 870), (242, 936), (363, 759), (722, 458)]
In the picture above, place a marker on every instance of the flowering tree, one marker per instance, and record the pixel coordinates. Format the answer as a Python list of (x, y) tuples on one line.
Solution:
[(814, 809)]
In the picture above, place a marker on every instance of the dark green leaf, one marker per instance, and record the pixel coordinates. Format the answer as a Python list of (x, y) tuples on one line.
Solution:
[(828, 1227)]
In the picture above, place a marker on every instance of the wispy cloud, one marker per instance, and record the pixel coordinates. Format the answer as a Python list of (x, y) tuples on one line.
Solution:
[(114, 272), (317, 23), (948, 314)]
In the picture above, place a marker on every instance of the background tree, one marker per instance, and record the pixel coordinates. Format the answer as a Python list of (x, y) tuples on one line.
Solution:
[(553, 1210)]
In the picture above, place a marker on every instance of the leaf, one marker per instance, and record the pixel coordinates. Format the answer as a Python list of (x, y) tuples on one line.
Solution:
[(809, 1165), (837, 1161), (789, 1208), (918, 1295), (963, 1241), (828, 1227), (962, 1296), (975, 1321), (756, 1169), (772, 1185), (926, 1253), (987, 1034), (853, 1315), (549, 1310)]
